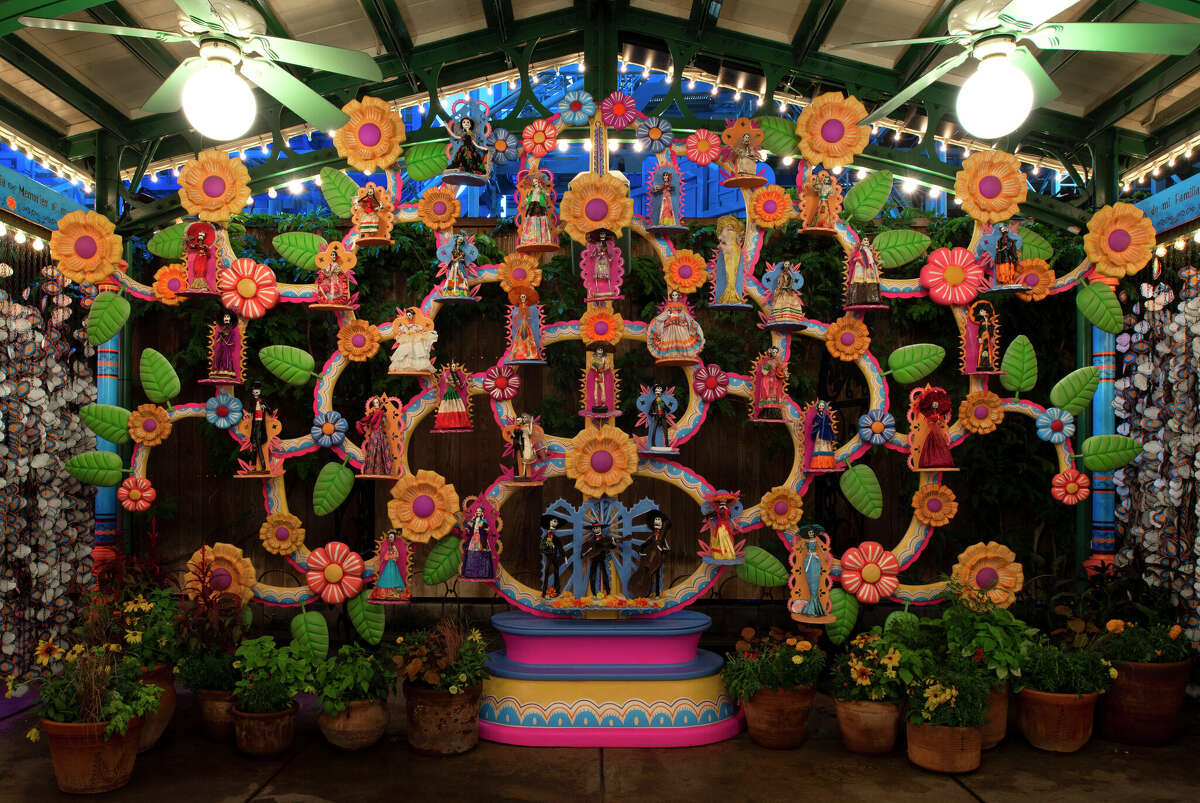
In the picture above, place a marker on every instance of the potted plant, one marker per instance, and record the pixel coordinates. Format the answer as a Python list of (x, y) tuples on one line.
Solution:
[(269, 678), (773, 677), (442, 672), (210, 676), (1153, 667), (868, 687), (946, 708), (353, 690), (150, 637), (1057, 703), (92, 714)]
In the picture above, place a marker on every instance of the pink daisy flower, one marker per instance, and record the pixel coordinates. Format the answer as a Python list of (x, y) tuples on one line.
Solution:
[(710, 382), (952, 276), (703, 147), (619, 110), (501, 382)]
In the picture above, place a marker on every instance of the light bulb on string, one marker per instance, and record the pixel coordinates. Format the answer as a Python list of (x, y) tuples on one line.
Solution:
[(587, 145), (265, 148), (563, 145), (1160, 252), (1180, 244), (613, 145), (20, 237), (713, 91), (787, 161), (837, 171), (272, 193), (624, 68), (646, 71), (935, 192), (295, 187), (691, 84), (38, 245), (908, 186), (861, 174), (1196, 236)]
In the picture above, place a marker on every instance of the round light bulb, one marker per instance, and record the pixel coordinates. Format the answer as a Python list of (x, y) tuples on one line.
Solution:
[(563, 145), (218, 102), (20, 237), (995, 100), (38, 245)]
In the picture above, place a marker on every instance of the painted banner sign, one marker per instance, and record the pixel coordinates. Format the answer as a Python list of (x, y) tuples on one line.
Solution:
[(25, 198), (1174, 206)]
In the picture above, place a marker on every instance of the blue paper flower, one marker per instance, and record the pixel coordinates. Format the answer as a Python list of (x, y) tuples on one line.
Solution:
[(576, 107), (1055, 425), (329, 428), (223, 411), (504, 146), (876, 427), (654, 134)]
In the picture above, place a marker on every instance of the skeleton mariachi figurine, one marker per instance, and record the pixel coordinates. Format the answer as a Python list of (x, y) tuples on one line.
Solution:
[(657, 408), (647, 579), (226, 355), (524, 437), (553, 554), (260, 430), (599, 386), (597, 553), (743, 139)]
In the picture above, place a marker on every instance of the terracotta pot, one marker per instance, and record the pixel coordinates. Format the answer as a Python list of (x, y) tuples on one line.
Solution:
[(441, 723), (85, 763), (216, 713), (944, 748), (868, 727), (361, 724), (1060, 723), (1142, 707), (778, 718), (157, 721), (265, 734), (996, 728)]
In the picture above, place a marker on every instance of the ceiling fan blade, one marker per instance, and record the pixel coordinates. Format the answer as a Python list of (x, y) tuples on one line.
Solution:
[(291, 92), (320, 57), (1118, 37), (1044, 88), (1026, 14), (914, 88), (91, 27), (927, 40), (169, 96)]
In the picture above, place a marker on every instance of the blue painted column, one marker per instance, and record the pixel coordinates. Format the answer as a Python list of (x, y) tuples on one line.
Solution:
[(105, 539)]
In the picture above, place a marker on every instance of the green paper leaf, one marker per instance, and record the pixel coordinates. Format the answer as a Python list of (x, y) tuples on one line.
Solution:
[(861, 488), (1035, 246), (899, 247), (292, 365), (779, 135), (368, 618), (1098, 303), (845, 607), (107, 420), (332, 487), (443, 561), (865, 200), (169, 243), (913, 363), (97, 468), (899, 617), (1074, 391), (159, 380), (1019, 365), (108, 314), (1109, 452), (762, 568), (300, 248), (339, 191), (310, 631), (425, 160)]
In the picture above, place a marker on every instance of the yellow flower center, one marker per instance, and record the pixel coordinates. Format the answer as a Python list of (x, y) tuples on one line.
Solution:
[(702, 145), (954, 275), (539, 137), (333, 573), (1072, 487), (327, 428), (871, 573), (247, 288), (877, 427), (655, 133), (135, 494)]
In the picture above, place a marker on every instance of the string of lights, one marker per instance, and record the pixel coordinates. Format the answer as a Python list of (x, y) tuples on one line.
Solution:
[(59, 167)]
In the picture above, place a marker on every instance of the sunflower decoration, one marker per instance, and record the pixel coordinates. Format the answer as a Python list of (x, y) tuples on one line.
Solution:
[(991, 186), (169, 281), (371, 140), (992, 569), (1120, 240), (602, 460), (686, 271), (438, 208), (770, 207), (223, 569), (847, 338), (519, 269), (595, 202), (1036, 275), (149, 425), (281, 534), (423, 506), (85, 247), (781, 508), (247, 288), (358, 340), (981, 412), (829, 132), (601, 326), (214, 186), (934, 505), (334, 572), (703, 146)]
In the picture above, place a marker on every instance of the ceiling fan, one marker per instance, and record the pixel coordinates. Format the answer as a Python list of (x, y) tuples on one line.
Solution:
[(211, 87), (1009, 81)]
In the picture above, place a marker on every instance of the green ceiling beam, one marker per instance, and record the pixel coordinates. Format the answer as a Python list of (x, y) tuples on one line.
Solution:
[(703, 14), (499, 16), (149, 52), (1173, 133), (275, 26), (389, 26), (917, 59), (1103, 11), (16, 117), (814, 27), (1158, 79), (1190, 7)]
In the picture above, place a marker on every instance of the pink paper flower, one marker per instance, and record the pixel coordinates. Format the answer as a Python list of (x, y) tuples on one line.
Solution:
[(869, 572), (619, 110), (501, 382), (703, 146), (952, 276), (710, 382), (539, 138)]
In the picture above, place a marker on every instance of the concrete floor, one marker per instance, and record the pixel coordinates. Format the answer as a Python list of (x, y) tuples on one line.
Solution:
[(185, 767)]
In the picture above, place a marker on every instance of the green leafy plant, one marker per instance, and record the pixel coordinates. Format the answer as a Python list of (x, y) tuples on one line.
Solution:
[(774, 661), (149, 622), (269, 676), (953, 693), (449, 657), (1155, 643), (207, 670), (875, 667), (977, 629), (97, 684), (1058, 669), (349, 675)]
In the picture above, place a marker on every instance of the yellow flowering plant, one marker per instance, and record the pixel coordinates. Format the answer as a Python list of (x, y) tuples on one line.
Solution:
[(952, 693), (777, 660), (96, 684), (875, 667), (450, 657)]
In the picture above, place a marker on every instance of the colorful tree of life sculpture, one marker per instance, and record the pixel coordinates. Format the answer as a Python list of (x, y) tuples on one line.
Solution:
[(602, 538)]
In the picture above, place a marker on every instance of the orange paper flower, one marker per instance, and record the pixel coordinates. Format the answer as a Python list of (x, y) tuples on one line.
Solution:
[(829, 132), (423, 505), (1120, 240), (847, 338), (934, 505), (281, 534), (1037, 276), (686, 271), (149, 425), (247, 288), (781, 508), (438, 208), (358, 340), (85, 247), (595, 202), (168, 281), (602, 325), (602, 460), (371, 139), (229, 572), (991, 186), (214, 186), (981, 412), (770, 207), (519, 269), (991, 568)]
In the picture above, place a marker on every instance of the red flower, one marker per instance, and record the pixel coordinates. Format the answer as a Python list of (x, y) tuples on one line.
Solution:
[(952, 276), (1070, 487), (703, 146), (869, 572), (247, 288), (335, 572), (136, 494), (539, 137), (979, 653)]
